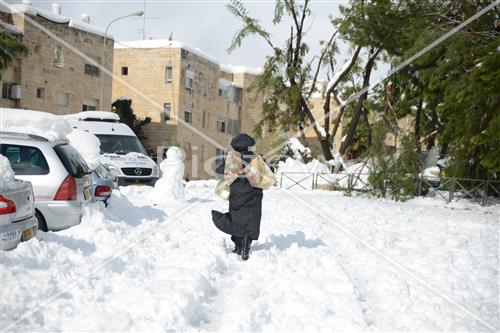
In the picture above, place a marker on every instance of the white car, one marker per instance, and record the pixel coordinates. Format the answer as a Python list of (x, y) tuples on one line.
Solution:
[(121, 150), (58, 173)]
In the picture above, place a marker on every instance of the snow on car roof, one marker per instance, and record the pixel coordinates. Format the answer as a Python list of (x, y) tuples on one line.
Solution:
[(44, 124), (93, 115), (103, 127)]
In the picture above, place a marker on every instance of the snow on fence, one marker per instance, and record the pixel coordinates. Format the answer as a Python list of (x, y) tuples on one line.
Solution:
[(447, 188)]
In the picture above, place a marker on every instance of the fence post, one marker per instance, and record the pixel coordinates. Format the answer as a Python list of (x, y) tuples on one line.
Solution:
[(281, 180), (314, 185), (452, 189), (485, 192)]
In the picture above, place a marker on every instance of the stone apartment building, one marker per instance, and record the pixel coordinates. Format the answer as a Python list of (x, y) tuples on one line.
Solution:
[(192, 100), (52, 77)]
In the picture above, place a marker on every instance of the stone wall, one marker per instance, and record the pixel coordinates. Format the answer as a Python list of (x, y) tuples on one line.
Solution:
[(38, 73)]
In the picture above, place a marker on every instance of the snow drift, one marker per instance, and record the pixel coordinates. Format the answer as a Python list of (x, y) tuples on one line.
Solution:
[(305, 273)]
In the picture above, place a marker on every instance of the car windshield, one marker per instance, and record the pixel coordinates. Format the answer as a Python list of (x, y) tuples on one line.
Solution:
[(120, 144)]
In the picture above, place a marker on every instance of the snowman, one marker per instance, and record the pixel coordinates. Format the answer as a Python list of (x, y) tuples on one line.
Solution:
[(170, 185)]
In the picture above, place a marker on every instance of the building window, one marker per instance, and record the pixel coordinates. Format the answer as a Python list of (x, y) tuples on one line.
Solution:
[(221, 126), (86, 107), (58, 56), (62, 99), (188, 116), (90, 104), (124, 70), (40, 92), (189, 80), (91, 70), (220, 155), (167, 109), (168, 75), (7, 90)]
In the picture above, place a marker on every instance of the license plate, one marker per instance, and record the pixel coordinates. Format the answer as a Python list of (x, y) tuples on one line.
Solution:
[(27, 234), (11, 235), (87, 192)]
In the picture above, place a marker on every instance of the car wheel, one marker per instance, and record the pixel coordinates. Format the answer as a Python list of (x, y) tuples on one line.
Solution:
[(42, 225)]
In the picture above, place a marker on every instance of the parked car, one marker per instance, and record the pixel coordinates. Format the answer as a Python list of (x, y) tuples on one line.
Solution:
[(103, 183), (17, 213), (59, 175), (121, 150)]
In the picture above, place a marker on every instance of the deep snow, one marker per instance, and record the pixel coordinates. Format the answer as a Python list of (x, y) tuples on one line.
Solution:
[(324, 262)]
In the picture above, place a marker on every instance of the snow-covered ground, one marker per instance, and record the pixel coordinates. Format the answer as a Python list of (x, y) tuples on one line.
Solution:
[(324, 262)]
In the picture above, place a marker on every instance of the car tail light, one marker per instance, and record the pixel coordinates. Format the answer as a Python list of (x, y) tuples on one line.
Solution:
[(7, 206), (67, 190), (102, 191)]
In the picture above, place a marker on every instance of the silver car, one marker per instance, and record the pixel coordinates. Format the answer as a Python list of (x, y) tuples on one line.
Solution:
[(17, 214), (103, 183), (58, 173)]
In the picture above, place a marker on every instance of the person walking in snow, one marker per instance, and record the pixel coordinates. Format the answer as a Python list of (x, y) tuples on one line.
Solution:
[(246, 174)]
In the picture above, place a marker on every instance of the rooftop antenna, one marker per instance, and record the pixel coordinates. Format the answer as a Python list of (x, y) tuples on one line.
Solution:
[(170, 38), (144, 18)]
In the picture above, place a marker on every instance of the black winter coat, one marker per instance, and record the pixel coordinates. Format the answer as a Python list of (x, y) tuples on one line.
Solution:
[(245, 201), (245, 210)]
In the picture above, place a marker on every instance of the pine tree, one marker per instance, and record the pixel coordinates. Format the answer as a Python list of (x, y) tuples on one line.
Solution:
[(123, 107), (11, 47)]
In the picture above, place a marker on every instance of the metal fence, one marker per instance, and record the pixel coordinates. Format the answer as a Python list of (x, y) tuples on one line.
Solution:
[(484, 191)]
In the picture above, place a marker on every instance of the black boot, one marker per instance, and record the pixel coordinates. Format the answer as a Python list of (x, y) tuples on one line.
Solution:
[(237, 244), (245, 253)]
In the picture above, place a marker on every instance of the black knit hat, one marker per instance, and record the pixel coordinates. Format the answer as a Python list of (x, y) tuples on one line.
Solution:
[(242, 141)]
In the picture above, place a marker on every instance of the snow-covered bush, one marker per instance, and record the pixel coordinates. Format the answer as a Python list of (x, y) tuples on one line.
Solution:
[(296, 150)]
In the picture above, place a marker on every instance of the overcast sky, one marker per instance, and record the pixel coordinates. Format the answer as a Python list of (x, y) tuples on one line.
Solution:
[(207, 25)]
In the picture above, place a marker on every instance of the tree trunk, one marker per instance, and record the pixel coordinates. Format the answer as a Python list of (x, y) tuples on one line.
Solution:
[(323, 140), (359, 105), (435, 123), (336, 125), (418, 117), (368, 129)]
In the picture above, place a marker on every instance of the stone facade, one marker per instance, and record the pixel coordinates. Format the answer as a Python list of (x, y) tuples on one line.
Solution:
[(208, 104), (52, 77)]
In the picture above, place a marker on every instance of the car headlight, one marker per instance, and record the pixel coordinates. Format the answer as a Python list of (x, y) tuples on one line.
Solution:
[(113, 170)]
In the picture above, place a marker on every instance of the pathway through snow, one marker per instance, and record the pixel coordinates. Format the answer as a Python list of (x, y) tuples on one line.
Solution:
[(304, 274)]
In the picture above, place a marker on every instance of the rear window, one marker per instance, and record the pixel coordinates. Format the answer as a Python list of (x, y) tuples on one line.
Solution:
[(72, 160), (25, 160)]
